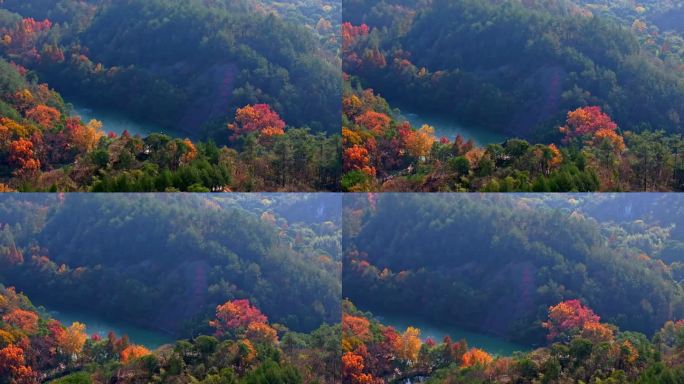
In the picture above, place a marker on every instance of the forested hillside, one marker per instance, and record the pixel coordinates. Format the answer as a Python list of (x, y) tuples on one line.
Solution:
[(584, 95), (496, 263), (245, 348), (253, 91), (166, 262), (184, 64), (580, 347), (385, 152), (514, 67)]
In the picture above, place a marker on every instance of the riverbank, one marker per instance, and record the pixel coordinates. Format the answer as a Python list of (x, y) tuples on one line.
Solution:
[(447, 127), (492, 344), (101, 326), (117, 122)]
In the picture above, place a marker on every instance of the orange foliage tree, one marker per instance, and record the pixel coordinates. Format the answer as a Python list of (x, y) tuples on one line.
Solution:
[(587, 121), (259, 118), (419, 143), (22, 38), (476, 356), (22, 157), (352, 370), (27, 321), (628, 352), (13, 366), (43, 115), (556, 156), (133, 352), (190, 153), (355, 326), (357, 157), (376, 122), (262, 333), (597, 332), (84, 137), (247, 351), (610, 139)]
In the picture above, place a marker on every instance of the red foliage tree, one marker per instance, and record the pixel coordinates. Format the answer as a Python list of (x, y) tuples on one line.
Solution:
[(568, 318), (587, 121), (236, 316), (53, 53), (12, 255), (55, 330), (351, 33)]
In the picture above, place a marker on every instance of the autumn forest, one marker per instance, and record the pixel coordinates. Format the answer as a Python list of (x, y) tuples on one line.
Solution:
[(341, 192), (176, 288), (331, 288), (353, 95), (512, 96), (512, 288), (242, 98)]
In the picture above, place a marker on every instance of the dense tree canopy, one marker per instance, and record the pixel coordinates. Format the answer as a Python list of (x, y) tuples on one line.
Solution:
[(515, 67), (180, 62), (504, 260), (44, 147), (56, 353), (233, 75), (167, 262), (593, 352), (383, 152), (543, 71)]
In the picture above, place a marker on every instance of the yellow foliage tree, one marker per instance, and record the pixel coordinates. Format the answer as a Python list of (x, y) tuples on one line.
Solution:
[(86, 137), (6, 338), (71, 341), (419, 142), (10, 129), (407, 346)]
